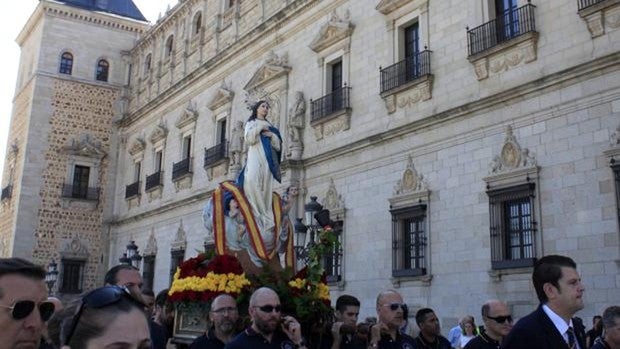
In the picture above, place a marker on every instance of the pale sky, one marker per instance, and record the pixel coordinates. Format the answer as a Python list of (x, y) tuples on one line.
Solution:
[(12, 20)]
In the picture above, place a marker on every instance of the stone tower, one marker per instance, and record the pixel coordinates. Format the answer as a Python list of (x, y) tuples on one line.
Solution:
[(55, 187)]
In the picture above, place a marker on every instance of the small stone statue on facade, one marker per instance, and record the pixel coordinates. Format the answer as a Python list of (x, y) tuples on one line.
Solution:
[(236, 146), (296, 125)]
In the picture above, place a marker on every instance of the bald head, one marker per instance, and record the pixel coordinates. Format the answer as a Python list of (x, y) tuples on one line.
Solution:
[(386, 293), (221, 299), (497, 318), (263, 294)]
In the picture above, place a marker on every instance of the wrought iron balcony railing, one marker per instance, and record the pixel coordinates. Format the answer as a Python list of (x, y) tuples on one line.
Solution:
[(337, 100), (507, 26), (80, 192), (583, 4), (7, 192), (154, 180), (181, 168), (132, 190), (215, 154), (407, 70)]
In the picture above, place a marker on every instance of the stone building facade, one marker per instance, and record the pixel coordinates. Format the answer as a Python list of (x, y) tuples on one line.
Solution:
[(453, 157)]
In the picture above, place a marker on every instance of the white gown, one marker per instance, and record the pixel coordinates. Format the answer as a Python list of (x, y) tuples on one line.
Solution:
[(258, 180)]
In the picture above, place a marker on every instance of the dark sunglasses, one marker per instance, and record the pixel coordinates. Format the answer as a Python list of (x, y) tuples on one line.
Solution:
[(395, 306), (269, 308), (501, 319), (21, 309), (99, 298)]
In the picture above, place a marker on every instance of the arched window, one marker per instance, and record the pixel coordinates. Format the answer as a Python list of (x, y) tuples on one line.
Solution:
[(102, 70), (169, 45), (197, 22), (66, 63), (147, 64)]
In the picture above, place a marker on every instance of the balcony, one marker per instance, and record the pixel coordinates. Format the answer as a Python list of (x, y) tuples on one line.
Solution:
[(406, 71), (154, 181), (80, 192), (599, 15), (330, 104), (132, 190), (7, 192), (502, 29), (216, 155), (181, 168)]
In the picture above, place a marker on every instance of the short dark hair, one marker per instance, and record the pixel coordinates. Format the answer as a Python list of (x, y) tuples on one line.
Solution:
[(21, 267), (549, 270), (162, 298), (110, 276), (610, 316), (345, 301), (420, 316)]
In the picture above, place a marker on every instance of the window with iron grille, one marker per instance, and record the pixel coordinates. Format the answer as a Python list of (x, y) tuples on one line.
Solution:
[(615, 166), (512, 226), (80, 181), (66, 63), (148, 272), (332, 262), (72, 276), (176, 258), (409, 241)]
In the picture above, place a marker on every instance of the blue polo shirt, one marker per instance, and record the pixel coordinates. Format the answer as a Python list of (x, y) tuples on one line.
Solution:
[(402, 341), (252, 339), (207, 341)]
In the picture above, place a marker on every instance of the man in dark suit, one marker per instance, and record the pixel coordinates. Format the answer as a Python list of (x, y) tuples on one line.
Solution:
[(560, 291)]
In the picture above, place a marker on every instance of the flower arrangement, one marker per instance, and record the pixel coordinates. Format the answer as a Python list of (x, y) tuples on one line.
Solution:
[(198, 279)]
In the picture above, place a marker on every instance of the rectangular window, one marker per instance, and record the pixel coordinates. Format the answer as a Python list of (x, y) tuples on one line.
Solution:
[(513, 226), (412, 50), (72, 274), (176, 258), (148, 272), (616, 168), (159, 157), (80, 181), (332, 262), (221, 131), (187, 147), (507, 18), (409, 241), (137, 168)]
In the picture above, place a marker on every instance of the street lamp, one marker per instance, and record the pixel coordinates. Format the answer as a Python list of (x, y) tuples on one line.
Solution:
[(51, 276), (316, 218), (131, 256)]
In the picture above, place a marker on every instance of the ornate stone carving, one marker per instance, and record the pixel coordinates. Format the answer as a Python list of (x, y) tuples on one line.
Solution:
[(420, 92), (74, 249), (595, 24), (295, 126), (612, 17), (517, 51), (235, 146), (615, 137), (180, 240), (511, 156), (333, 201), (189, 116), (184, 182), (388, 6), (159, 133), (333, 31), (137, 146), (273, 68), (411, 180), (338, 123), (86, 146), (151, 245), (222, 96)]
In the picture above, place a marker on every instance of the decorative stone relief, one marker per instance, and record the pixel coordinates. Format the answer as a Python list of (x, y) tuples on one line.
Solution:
[(613, 153), (335, 30), (517, 51), (222, 96), (180, 240), (74, 249), (274, 67), (295, 126), (388, 6), (235, 146), (155, 193), (86, 146), (511, 156), (612, 17), (601, 15), (137, 147), (332, 200), (151, 245), (188, 116), (184, 182), (337, 123), (159, 133), (409, 94), (411, 181)]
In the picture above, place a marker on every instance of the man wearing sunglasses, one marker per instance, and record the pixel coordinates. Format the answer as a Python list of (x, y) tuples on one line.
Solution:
[(560, 292), (386, 334), (24, 308), (497, 324), (269, 328)]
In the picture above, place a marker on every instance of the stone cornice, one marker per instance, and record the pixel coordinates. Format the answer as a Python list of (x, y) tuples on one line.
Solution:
[(163, 24)]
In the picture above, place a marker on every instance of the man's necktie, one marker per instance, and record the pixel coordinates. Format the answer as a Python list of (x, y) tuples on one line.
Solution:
[(571, 337)]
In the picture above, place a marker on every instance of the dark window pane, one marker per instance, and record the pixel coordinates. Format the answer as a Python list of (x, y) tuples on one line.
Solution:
[(71, 276), (102, 70), (66, 63), (80, 181)]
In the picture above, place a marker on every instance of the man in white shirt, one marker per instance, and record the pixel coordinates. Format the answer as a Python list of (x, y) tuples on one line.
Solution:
[(560, 292)]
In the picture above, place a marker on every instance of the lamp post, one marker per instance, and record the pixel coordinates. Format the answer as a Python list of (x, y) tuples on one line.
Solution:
[(316, 218), (51, 276), (131, 256)]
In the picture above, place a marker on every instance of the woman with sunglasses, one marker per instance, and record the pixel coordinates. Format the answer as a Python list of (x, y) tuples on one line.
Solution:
[(107, 317)]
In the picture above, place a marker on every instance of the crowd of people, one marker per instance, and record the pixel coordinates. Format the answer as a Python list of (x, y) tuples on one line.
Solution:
[(122, 315)]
